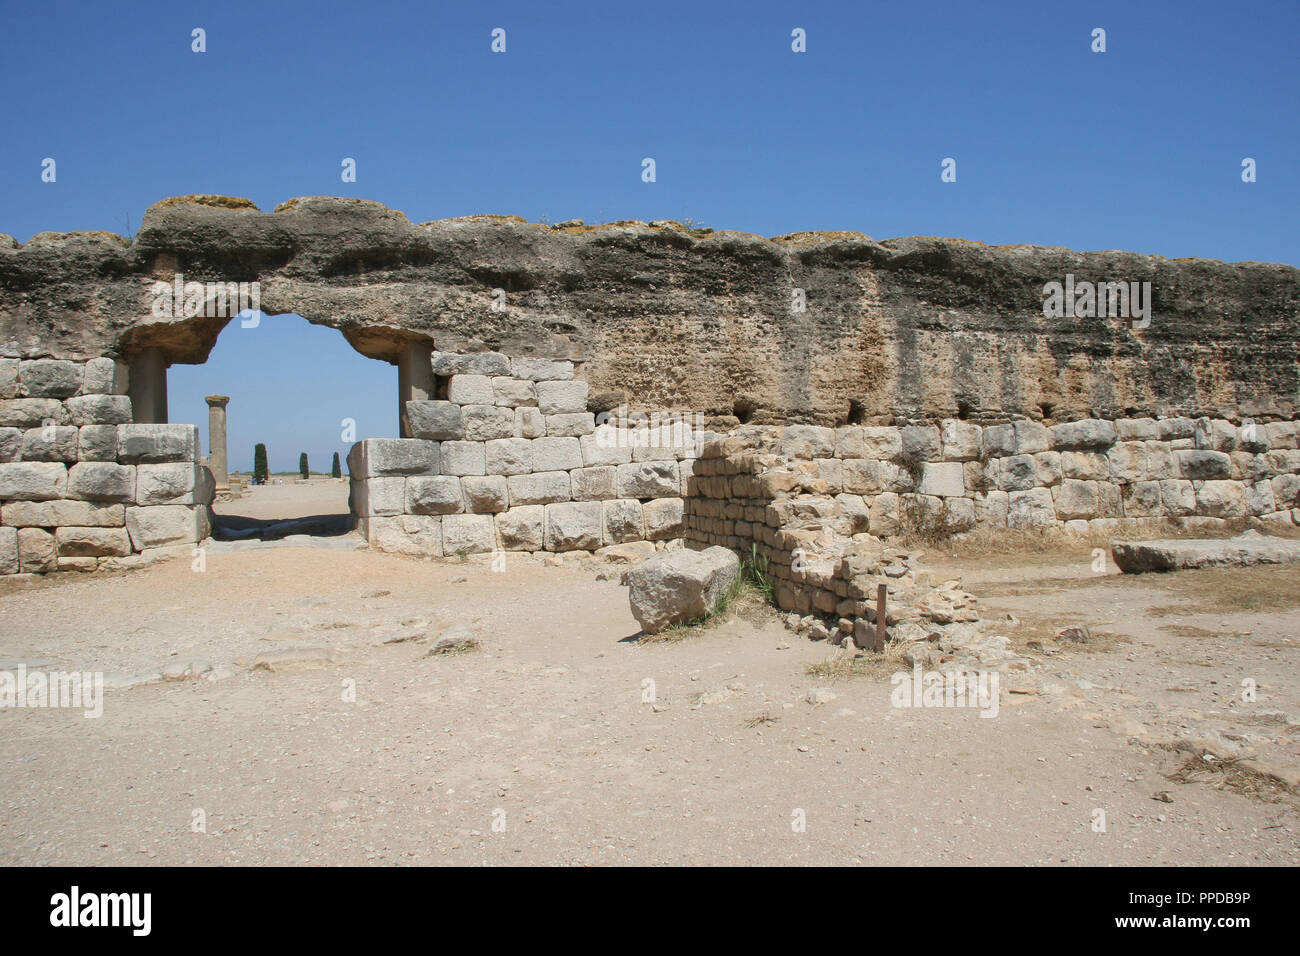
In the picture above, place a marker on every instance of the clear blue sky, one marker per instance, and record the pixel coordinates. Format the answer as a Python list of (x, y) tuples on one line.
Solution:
[(1137, 148)]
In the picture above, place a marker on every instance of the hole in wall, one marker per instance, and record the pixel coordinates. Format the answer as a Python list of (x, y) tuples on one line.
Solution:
[(963, 410), (1046, 408), (743, 409), (440, 385), (857, 412)]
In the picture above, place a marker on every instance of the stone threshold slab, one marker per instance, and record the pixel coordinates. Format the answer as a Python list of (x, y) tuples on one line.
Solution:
[(1137, 557)]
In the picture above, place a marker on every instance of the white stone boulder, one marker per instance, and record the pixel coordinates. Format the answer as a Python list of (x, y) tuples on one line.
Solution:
[(677, 587)]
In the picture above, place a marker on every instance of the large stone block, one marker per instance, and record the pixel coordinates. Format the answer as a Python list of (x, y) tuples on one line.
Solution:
[(1031, 437), (1160, 461), (471, 390), (990, 507), (50, 378), (1030, 509), (435, 421), (99, 410), (509, 456), (678, 587), (51, 514), (648, 479), (1137, 429), (464, 458), (623, 520), (37, 551), (960, 441), (920, 442), (1017, 473), (432, 495), (573, 526), (9, 389), (884, 515), (55, 443), (157, 443), (574, 424), (664, 519), (468, 534), (561, 398), (92, 542), (471, 363), (487, 422), (386, 457), (1128, 461), (556, 454), (1085, 465), (999, 441), (522, 528), (417, 535), (158, 525), (1076, 499), (1087, 433), (1286, 490), (11, 444), (1142, 500), (595, 484), (377, 496), (607, 445), (945, 479), (1259, 498), (33, 480), (485, 494), (1049, 467), (1173, 429), (101, 481), (539, 488), (1220, 499), (514, 392), (543, 370), (32, 412), (97, 443), (8, 550), (1215, 434), (861, 476), (530, 423), (807, 441), (173, 483), (1199, 465), (1177, 497), (99, 376)]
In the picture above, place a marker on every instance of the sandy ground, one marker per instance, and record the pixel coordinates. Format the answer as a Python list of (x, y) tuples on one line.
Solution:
[(539, 748)]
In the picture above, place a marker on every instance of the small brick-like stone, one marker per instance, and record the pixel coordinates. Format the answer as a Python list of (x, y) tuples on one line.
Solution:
[(471, 390), (463, 458), (485, 494), (50, 378), (539, 488), (560, 398), (99, 410), (33, 480)]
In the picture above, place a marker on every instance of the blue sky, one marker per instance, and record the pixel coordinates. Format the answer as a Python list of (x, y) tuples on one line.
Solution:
[(1137, 148)]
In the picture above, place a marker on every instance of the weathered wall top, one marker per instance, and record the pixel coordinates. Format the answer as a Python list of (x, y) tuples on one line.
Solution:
[(691, 319)]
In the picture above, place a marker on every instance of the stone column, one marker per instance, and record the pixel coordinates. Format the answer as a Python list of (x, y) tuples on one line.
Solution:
[(217, 439), (414, 379), (147, 387)]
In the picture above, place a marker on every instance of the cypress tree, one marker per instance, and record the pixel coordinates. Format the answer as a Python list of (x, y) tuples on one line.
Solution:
[(302, 465), (335, 470), (259, 464)]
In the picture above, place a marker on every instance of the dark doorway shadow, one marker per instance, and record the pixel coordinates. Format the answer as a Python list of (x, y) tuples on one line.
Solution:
[(240, 528)]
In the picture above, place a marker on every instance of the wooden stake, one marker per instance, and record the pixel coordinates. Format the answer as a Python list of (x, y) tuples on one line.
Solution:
[(880, 618)]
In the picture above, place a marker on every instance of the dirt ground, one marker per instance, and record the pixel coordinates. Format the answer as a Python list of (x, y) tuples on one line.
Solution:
[(542, 745)]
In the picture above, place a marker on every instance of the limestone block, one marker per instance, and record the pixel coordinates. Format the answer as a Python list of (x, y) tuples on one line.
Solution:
[(470, 363), (522, 528), (1173, 429), (1030, 509), (157, 525), (8, 548), (514, 392), (32, 412), (831, 471), (920, 442), (560, 398), (1128, 461), (435, 421), (648, 479), (960, 441), (468, 534), (1220, 499), (861, 476), (573, 424), (556, 454), (543, 370), (1087, 433), (990, 507), (485, 494), (1031, 437), (97, 443), (958, 515), (999, 441), (33, 480), (1198, 465), (685, 470), (1049, 468), (1259, 498), (893, 477), (98, 377), (55, 443), (539, 488), (946, 479), (594, 484), (530, 423), (51, 514), (1085, 466), (623, 521), (855, 514), (884, 514), (1177, 497), (11, 444), (1160, 461), (37, 551), (9, 389), (1280, 434), (155, 443), (1215, 434), (607, 445), (1286, 491), (99, 410), (1142, 499), (677, 587), (471, 390), (433, 495), (377, 496), (92, 542), (487, 422), (173, 483), (50, 378), (418, 535), (509, 456), (464, 458), (663, 518), (574, 526), (1137, 429), (1075, 499), (1017, 473), (807, 441)]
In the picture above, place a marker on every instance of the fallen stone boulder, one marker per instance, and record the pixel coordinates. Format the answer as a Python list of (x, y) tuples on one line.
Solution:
[(678, 587), (1137, 557)]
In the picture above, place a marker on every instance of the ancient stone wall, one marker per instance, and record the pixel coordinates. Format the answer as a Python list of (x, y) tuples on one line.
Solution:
[(83, 487), (511, 459)]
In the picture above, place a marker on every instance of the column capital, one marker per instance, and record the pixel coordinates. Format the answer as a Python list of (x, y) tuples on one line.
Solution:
[(217, 401)]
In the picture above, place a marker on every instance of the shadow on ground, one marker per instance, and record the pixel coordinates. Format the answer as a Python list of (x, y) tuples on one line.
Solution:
[(241, 528)]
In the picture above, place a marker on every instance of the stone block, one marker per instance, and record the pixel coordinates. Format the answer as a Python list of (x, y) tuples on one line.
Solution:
[(623, 521), (97, 443), (138, 444), (999, 441), (1142, 499), (485, 494), (573, 424), (9, 389), (1049, 467), (1173, 429), (1259, 498), (464, 457), (594, 484), (173, 483), (1220, 499), (530, 423), (543, 370), (487, 422), (1137, 429), (416, 535), (607, 445), (471, 363), (1076, 499), (8, 548), (1286, 490), (92, 542), (11, 444), (664, 519), (32, 412), (468, 534), (55, 443), (433, 495), (648, 479), (807, 441), (959, 440), (991, 507), (1085, 434), (98, 377), (1017, 473), (861, 476), (157, 525), (514, 392), (574, 526), (99, 410), (1160, 461), (884, 514), (556, 454), (61, 511), (435, 421), (50, 378), (1177, 497), (33, 480), (945, 479), (37, 551), (1030, 509), (1199, 465), (1128, 461), (522, 528), (471, 390), (539, 488), (509, 456), (1085, 466), (561, 398), (377, 496), (920, 442), (1215, 434)]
